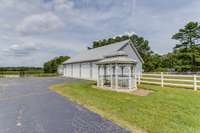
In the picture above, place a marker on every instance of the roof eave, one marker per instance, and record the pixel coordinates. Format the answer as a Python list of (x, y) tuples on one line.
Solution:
[(73, 62), (103, 63), (136, 51)]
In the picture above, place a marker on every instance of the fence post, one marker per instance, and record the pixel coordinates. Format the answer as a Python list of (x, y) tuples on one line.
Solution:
[(139, 78), (135, 82), (162, 80), (195, 82)]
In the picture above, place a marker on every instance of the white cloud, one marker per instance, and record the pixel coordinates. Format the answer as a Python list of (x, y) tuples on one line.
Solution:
[(21, 49), (7, 3), (61, 5), (89, 14), (34, 51), (22, 6), (40, 23), (86, 21), (158, 27)]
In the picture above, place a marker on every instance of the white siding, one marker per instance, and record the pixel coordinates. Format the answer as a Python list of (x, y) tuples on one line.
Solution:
[(68, 70), (88, 70), (76, 70), (85, 70), (65, 70), (94, 71)]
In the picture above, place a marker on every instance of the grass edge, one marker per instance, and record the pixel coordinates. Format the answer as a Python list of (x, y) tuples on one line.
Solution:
[(118, 121)]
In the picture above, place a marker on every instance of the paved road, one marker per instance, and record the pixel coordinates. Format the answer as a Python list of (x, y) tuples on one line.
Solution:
[(27, 106)]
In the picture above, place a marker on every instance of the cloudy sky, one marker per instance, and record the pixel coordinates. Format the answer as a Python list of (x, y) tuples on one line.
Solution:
[(33, 31)]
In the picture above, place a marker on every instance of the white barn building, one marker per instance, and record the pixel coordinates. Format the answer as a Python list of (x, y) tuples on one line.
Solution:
[(87, 65)]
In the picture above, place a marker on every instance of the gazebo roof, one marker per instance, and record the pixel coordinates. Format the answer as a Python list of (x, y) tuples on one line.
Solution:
[(118, 58), (116, 54)]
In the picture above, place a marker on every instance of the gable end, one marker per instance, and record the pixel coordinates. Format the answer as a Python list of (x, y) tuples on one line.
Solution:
[(135, 50)]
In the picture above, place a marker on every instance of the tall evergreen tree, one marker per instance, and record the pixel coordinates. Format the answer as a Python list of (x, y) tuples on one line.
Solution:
[(187, 50), (188, 36)]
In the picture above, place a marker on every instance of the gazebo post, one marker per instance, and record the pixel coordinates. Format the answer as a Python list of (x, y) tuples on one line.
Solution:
[(116, 76), (105, 74), (64, 70), (111, 76), (122, 74), (135, 80), (130, 77), (98, 77), (102, 76)]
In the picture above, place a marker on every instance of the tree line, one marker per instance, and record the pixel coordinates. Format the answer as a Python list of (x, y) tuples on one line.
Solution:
[(48, 67), (52, 65), (21, 68)]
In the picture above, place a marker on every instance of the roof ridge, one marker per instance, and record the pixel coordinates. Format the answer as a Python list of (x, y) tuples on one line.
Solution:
[(127, 40)]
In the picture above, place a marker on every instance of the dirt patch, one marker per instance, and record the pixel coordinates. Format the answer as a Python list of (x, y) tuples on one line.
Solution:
[(142, 92)]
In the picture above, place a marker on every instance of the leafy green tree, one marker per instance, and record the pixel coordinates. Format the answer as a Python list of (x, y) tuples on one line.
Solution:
[(52, 65), (152, 63), (142, 46), (168, 61)]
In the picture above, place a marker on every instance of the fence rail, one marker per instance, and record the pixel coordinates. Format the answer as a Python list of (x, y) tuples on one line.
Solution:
[(191, 81)]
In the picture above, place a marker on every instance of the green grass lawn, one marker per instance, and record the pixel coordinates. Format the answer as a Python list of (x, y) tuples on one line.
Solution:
[(166, 110)]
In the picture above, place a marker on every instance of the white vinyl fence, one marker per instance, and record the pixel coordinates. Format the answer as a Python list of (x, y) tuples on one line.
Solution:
[(175, 80)]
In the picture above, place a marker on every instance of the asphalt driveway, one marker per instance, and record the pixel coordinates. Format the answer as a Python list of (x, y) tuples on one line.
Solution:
[(28, 106)]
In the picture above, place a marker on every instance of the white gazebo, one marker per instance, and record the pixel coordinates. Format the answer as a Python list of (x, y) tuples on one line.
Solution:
[(117, 72)]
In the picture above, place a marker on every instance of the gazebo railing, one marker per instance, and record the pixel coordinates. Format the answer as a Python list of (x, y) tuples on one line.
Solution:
[(122, 82), (106, 79)]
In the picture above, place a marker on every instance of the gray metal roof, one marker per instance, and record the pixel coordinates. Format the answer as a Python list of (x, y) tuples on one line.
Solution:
[(97, 53), (117, 59)]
